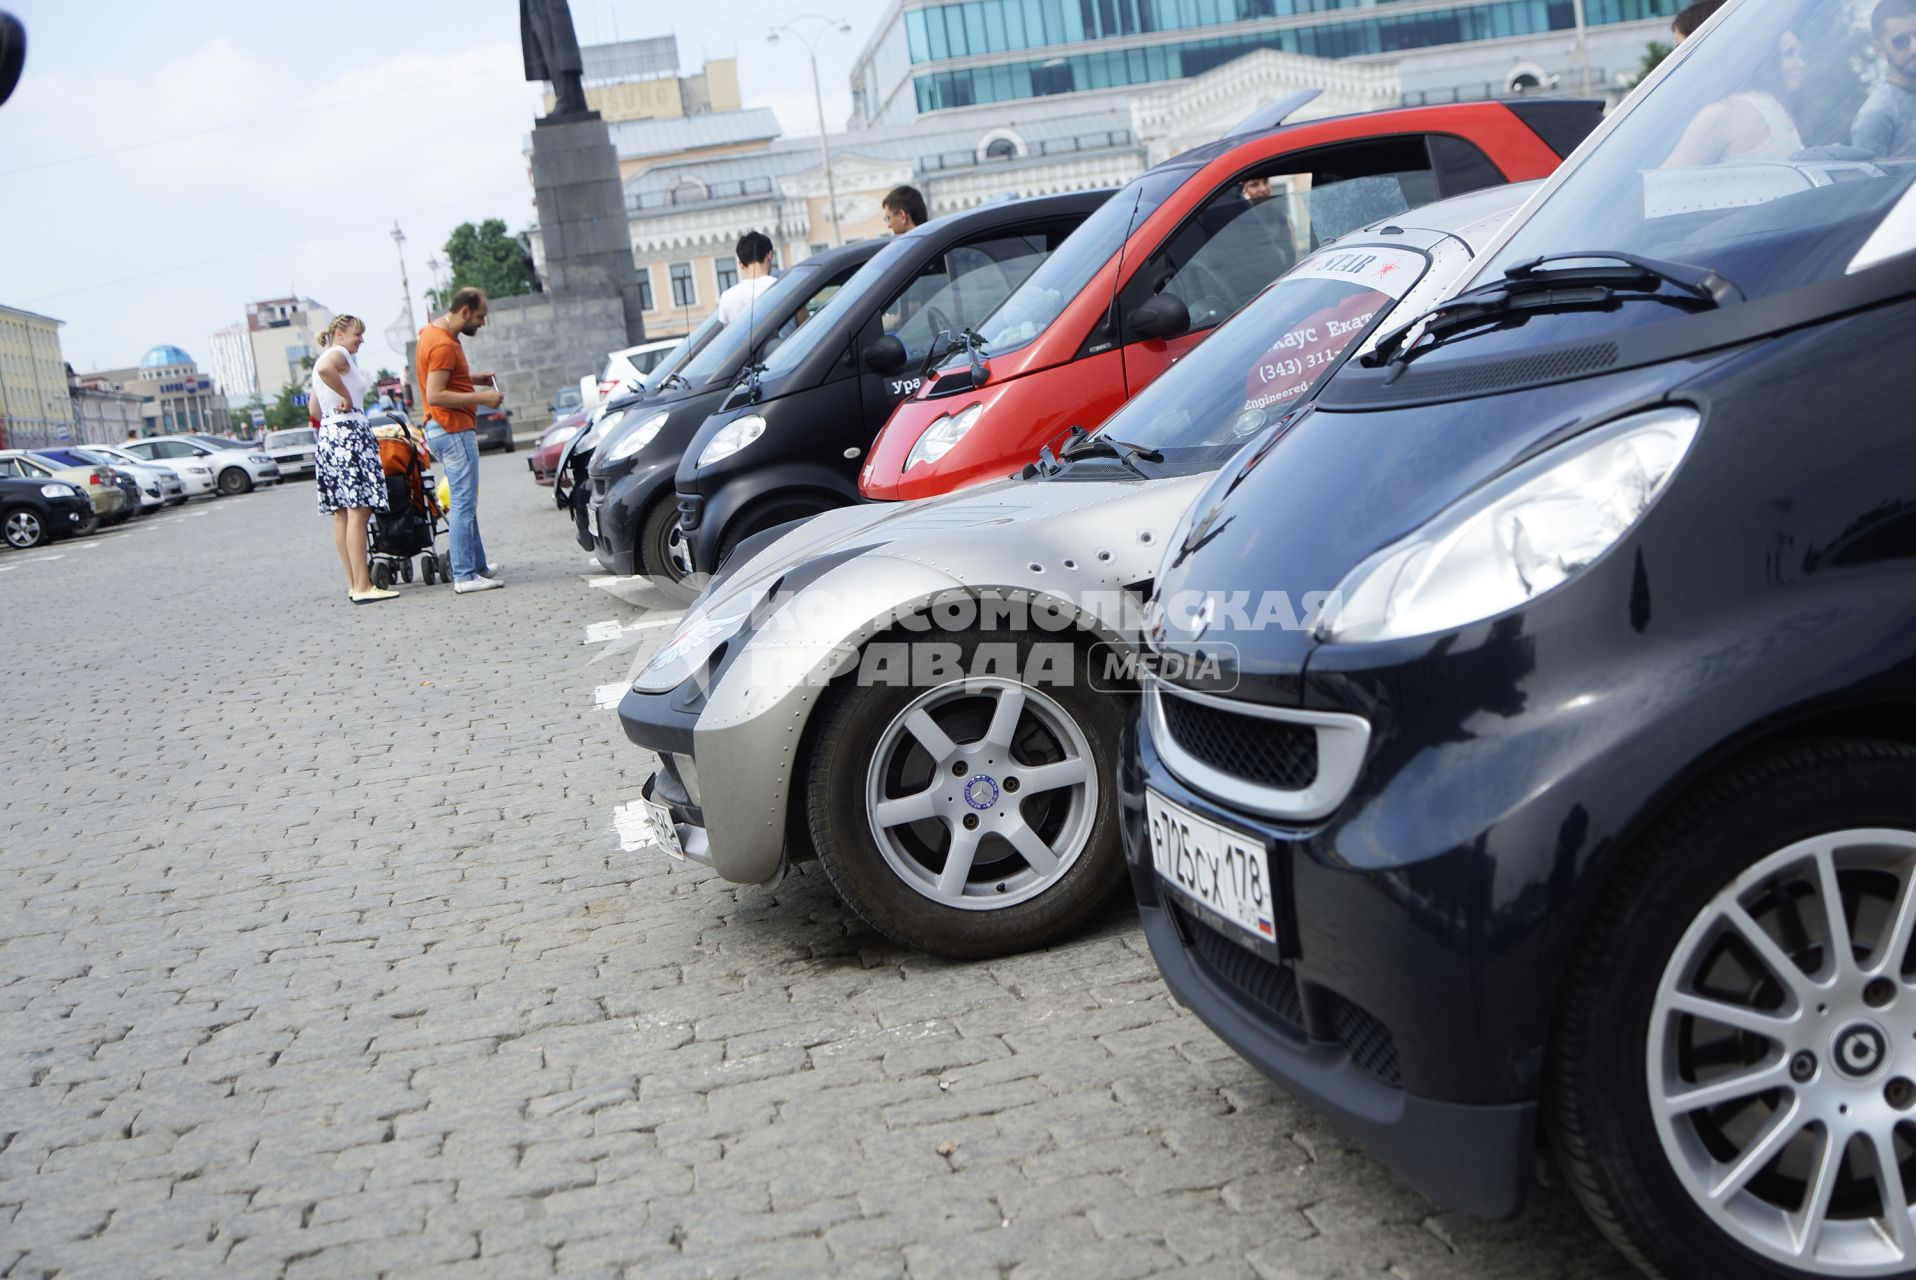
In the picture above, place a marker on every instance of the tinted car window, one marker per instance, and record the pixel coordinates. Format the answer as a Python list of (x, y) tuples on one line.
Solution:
[(1252, 230), (963, 287), (1045, 293)]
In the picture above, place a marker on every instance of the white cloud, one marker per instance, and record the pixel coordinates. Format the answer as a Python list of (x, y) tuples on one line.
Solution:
[(202, 183)]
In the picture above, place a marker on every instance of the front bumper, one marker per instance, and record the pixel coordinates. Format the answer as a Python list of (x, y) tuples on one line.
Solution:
[(67, 517), (619, 509), (295, 466), (1311, 1021)]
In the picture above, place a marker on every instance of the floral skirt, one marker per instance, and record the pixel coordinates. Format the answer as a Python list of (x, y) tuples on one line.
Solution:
[(346, 470)]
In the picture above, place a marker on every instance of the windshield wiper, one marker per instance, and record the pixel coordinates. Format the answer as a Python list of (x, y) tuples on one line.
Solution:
[(1099, 445), (675, 378), (1528, 288)]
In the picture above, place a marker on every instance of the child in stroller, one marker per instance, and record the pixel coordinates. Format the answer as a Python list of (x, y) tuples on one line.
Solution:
[(413, 518)]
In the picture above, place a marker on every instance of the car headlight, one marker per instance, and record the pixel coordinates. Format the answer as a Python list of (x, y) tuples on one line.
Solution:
[(701, 632), (1517, 538), (59, 491), (732, 437), (942, 435), (597, 431), (638, 439), (201, 471)]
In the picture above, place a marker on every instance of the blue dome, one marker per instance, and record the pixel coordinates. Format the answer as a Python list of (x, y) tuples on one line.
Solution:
[(163, 357)]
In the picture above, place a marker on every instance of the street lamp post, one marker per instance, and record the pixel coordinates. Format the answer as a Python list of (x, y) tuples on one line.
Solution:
[(1583, 47), (818, 98), (405, 285)]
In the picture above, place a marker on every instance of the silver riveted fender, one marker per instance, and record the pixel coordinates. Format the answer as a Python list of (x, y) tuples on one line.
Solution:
[(748, 736)]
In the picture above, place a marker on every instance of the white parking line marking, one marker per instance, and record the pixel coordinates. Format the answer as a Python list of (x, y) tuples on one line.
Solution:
[(607, 696), (8, 568), (44, 559), (610, 630)]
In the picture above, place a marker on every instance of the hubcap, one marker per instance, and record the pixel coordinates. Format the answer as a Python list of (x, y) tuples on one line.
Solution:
[(677, 554), (1782, 1052), (23, 528), (981, 793)]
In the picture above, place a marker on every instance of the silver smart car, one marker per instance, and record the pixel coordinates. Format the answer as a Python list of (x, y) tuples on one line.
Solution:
[(927, 696)]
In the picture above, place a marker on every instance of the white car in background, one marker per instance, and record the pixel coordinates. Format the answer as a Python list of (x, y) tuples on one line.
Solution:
[(196, 478), (236, 469), (631, 368), (292, 449)]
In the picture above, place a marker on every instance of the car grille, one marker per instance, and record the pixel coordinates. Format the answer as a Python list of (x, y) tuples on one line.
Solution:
[(1273, 988), (1267, 753)]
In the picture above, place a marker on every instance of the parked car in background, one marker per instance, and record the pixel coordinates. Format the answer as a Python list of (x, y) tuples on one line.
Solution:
[(544, 462), (292, 449), (235, 469), (110, 503), (1018, 849), (195, 478), (567, 400), (34, 511), (149, 485), (633, 507), (786, 442), (1175, 254), (1586, 810), (493, 428), (630, 369)]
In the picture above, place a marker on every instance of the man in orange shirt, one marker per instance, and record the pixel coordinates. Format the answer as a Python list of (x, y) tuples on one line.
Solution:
[(446, 385)]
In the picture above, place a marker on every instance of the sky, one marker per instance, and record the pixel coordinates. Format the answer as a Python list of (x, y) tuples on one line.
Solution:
[(162, 165)]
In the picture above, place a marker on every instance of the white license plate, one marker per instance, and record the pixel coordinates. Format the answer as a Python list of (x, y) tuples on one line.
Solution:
[(664, 833), (1223, 870)]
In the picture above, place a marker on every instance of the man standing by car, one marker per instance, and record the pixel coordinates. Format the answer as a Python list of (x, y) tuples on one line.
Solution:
[(904, 208), (1886, 126), (754, 276), (446, 383)]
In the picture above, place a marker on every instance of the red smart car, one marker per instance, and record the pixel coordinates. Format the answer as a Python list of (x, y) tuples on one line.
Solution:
[(1175, 254)]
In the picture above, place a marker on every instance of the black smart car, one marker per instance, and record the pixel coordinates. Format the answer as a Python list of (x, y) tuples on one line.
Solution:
[(1536, 744), (786, 443), (633, 507)]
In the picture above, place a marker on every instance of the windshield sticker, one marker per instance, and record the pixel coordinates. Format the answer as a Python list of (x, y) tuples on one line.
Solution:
[(1296, 360), (1389, 271)]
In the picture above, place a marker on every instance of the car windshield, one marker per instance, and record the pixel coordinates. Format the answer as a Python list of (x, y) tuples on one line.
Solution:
[(289, 439), (692, 345), (1770, 153), (1269, 357), (717, 361), (792, 352), (1046, 292)]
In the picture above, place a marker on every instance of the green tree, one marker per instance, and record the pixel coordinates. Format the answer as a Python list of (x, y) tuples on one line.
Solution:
[(1653, 56), (487, 257)]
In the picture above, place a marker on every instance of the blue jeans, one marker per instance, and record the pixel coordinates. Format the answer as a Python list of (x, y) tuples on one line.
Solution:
[(458, 453)]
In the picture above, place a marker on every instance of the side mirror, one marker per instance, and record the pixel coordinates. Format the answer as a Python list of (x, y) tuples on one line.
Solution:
[(1164, 315), (13, 53), (887, 355)]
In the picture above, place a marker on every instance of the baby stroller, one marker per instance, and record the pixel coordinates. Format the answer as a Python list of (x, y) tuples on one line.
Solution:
[(412, 518)]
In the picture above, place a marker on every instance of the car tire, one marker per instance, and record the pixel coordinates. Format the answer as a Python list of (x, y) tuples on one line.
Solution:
[(23, 528), (1756, 847), (509, 446), (662, 553), (893, 876), (235, 480)]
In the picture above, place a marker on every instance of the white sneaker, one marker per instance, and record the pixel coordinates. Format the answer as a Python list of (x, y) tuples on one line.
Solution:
[(476, 584), (492, 568)]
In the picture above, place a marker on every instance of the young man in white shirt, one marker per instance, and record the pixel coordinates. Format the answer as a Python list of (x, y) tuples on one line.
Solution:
[(754, 276)]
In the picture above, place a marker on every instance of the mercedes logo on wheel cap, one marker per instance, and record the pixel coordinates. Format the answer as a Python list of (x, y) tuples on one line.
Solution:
[(1860, 1049), (981, 791)]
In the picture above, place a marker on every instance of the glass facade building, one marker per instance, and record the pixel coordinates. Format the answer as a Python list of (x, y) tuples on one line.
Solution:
[(1163, 40)]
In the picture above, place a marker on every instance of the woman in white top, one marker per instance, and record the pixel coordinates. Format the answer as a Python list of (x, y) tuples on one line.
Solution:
[(346, 471), (1750, 126)]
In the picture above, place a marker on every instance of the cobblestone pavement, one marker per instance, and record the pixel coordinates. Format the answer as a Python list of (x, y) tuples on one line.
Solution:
[(320, 956)]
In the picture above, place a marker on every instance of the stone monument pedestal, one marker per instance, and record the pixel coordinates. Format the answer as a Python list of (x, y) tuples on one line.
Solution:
[(582, 216), (542, 342)]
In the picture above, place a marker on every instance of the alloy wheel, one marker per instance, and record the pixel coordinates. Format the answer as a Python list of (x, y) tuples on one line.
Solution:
[(1781, 1056), (981, 793), (23, 530)]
